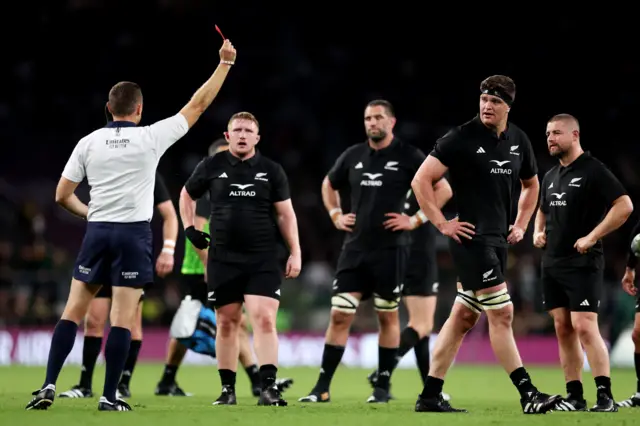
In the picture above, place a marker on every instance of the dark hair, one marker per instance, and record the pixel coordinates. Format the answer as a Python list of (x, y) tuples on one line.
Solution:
[(383, 103), (124, 97), (499, 84), (216, 145), (244, 116), (565, 117)]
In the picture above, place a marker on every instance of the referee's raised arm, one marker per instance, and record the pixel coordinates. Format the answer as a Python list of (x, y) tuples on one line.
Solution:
[(203, 97)]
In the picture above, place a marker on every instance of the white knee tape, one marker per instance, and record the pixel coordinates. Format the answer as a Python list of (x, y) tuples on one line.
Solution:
[(468, 298), (345, 302), (384, 305), (497, 300)]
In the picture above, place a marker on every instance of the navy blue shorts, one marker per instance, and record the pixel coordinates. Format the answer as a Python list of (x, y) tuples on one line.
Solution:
[(116, 254)]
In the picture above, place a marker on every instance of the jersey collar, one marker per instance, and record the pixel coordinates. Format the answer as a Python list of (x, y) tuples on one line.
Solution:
[(120, 123), (233, 160), (503, 137), (394, 142)]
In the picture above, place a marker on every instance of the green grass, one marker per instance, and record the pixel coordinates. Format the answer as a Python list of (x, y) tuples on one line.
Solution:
[(485, 391)]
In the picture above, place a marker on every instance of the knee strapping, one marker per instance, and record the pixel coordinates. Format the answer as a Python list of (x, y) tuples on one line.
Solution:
[(484, 302), (345, 302), (384, 305)]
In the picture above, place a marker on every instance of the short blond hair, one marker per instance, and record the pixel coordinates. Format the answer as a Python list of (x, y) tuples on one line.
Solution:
[(244, 116)]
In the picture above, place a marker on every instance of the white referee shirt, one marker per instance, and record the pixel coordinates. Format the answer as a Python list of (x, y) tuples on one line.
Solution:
[(119, 162)]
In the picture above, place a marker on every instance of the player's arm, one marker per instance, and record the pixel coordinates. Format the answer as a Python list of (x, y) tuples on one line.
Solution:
[(629, 278), (287, 221), (199, 224), (540, 230), (205, 95), (617, 215), (527, 202), (67, 199), (443, 194), (194, 188), (609, 189), (336, 179), (429, 172)]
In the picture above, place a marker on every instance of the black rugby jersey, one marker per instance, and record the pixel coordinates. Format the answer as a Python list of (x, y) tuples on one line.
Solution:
[(484, 170), (377, 181), (242, 193), (574, 200)]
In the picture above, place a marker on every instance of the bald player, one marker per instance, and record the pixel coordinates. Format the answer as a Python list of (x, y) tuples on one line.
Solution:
[(581, 202)]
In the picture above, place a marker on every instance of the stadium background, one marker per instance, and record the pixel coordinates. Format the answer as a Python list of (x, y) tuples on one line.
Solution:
[(307, 76)]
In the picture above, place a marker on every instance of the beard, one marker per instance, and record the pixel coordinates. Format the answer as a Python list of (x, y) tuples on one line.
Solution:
[(378, 136), (558, 152)]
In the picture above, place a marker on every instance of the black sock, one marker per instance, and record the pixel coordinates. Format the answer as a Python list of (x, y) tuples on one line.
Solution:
[(574, 390), (423, 358), (331, 357), (408, 339), (268, 375), (521, 380), (432, 387), (386, 364), (64, 336), (227, 378), (636, 359), (90, 353), (115, 353), (169, 375), (130, 364), (254, 375), (603, 384)]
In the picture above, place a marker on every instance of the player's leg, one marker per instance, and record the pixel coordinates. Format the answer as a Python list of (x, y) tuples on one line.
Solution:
[(585, 289), (195, 286), (262, 299), (634, 401), (347, 294), (247, 358), (496, 302), (94, 323), (132, 357), (421, 311), (89, 273), (225, 294), (556, 302)]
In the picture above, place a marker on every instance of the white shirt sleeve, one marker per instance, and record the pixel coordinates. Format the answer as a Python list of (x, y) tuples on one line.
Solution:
[(74, 170), (168, 131)]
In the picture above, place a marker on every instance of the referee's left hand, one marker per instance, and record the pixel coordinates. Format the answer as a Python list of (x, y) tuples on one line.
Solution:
[(294, 265), (584, 244)]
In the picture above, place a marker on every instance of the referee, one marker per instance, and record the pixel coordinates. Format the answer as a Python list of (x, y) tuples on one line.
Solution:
[(377, 173), (119, 162), (581, 202), (98, 312), (250, 200), (488, 158)]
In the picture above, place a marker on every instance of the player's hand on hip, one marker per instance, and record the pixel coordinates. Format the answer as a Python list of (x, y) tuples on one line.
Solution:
[(540, 239), (164, 264), (456, 229), (199, 239), (398, 222), (584, 244), (516, 234), (294, 265), (628, 282), (227, 53), (344, 222)]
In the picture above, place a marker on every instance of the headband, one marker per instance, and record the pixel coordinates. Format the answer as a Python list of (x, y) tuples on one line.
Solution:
[(498, 92)]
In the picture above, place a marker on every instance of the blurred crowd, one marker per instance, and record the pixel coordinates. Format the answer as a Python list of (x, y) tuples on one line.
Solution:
[(307, 79)]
